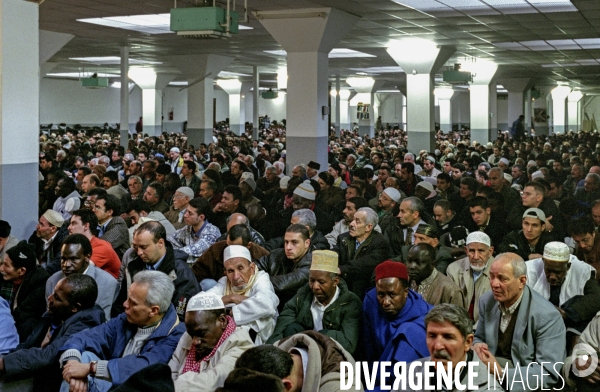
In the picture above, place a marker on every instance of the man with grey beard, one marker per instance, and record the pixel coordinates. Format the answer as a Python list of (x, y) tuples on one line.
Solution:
[(472, 273)]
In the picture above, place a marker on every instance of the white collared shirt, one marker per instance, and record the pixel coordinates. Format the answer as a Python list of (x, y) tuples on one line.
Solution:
[(317, 310)]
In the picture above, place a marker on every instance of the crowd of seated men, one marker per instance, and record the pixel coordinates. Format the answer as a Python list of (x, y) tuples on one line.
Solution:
[(166, 266)]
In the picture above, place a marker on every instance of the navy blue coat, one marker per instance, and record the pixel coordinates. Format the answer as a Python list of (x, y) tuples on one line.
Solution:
[(108, 342), (30, 359)]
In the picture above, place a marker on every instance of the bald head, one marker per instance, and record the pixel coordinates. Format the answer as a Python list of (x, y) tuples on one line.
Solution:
[(236, 219)]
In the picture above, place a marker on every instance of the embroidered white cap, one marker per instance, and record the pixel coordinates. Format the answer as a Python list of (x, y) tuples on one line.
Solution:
[(233, 251), (556, 251), (54, 218), (480, 237), (204, 301), (393, 193)]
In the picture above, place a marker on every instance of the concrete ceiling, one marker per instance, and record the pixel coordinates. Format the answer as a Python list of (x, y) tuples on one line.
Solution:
[(508, 32)]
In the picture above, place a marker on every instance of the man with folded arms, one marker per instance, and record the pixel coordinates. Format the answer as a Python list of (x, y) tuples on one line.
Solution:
[(249, 292)]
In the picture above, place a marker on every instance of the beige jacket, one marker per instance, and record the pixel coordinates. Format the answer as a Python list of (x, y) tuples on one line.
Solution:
[(213, 373), (314, 381), (460, 272)]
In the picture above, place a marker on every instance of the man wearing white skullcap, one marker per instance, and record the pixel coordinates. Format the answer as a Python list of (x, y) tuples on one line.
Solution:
[(472, 273), (207, 351), (567, 282), (387, 204), (249, 292), (48, 240)]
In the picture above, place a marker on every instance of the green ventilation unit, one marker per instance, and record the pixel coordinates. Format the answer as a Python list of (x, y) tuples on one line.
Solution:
[(203, 22)]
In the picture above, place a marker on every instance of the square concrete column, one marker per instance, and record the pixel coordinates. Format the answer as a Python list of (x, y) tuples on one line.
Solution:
[(420, 66), (308, 35), (124, 124), (233, 87), (574, 122), (200, 70), (528, 111), (482, 88), (559, 108), (515, 87), (444, 96), (152, 84), (19, 115)]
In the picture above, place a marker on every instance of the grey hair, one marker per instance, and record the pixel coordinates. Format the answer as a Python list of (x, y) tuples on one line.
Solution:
[(272, 169), (104, 160), (371, 216), (251, 158), (129, 156), (415, 204), (62, 153), (214, 166), (307, 218), (160, 288), (137, 179), (95, 160), (409, 154), (453, 314), (302, 169), (516, 262), (279, 165), (595, 176)]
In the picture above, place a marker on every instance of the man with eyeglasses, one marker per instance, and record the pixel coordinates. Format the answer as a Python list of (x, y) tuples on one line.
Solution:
[(111, 227)]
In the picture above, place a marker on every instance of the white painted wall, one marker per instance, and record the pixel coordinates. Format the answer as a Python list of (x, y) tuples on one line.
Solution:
[(65, 101), (275, 108)]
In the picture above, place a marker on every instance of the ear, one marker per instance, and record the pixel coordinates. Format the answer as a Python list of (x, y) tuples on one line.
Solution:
[(22, 271), (154, 310), (488, 210), (287, 384), (249, 246)]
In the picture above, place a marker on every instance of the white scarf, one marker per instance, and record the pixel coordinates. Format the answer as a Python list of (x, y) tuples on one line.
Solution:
[(579, 273)]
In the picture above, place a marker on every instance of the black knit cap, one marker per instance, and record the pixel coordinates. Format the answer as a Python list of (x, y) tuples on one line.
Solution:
[(23, 255), (4, 229)]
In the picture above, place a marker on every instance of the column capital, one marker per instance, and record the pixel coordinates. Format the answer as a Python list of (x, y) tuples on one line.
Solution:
[(198, 65)]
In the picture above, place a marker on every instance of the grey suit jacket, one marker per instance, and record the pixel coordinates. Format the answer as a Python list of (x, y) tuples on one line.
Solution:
[(107, 287), (540, 336), (117, 234)]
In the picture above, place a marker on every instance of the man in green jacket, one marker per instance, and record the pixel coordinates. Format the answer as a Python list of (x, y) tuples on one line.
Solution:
[(325, 305)]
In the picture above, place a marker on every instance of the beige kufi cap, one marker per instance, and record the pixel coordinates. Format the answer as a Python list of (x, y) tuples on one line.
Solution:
[(324, 260)]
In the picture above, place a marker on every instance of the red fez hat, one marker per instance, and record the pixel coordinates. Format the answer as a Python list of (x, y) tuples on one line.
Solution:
[(391, 269)]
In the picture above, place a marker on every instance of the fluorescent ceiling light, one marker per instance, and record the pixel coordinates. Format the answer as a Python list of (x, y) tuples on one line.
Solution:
[(111, 60), (178, 83), (379, 70), (487, 7), (334, 54), (118, 85), (148, 24), (225, 74), (77, 75), (551, 44), (388, 91)]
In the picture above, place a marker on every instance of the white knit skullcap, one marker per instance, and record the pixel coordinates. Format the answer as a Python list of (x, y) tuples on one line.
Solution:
[(204, 301), (233, 251), (480, 237)]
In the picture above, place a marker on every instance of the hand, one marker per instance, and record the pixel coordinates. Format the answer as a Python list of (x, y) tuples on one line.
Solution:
[(77, 385), (233, 299), (74, 369), (379, 186), (549, 226), (487, 358), (593, 378)]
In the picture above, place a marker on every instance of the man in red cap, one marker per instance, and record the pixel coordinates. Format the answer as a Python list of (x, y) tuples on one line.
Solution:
[(394, 317)]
